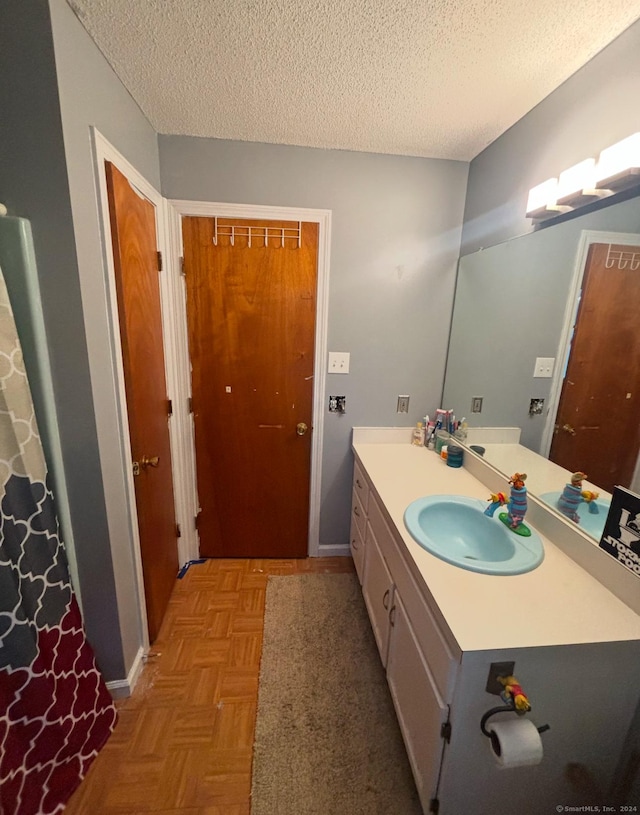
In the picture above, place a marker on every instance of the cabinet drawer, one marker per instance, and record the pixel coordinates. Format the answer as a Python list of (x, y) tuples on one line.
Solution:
[(356, 544), (358, 513), (361, 486), (441, 657)]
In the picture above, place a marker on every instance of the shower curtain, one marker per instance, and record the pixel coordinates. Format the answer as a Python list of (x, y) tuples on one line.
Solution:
[(55, 710)]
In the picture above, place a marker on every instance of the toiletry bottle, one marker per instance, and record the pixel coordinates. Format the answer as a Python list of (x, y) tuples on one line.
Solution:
[(417, 437), (442, 438), (430, 435), (455, 456)]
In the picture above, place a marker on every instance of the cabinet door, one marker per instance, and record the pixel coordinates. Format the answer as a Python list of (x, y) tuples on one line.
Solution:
[(377, 588), (419, 707)]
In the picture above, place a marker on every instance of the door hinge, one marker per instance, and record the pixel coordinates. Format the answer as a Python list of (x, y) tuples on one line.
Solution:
[(190, 404), (159, 261), (445, 731), (197, 520), (434, 806), (169, 407), (182, 271), (178, 531)]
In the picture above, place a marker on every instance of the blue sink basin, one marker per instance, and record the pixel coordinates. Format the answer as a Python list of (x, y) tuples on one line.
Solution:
[(455, 528)]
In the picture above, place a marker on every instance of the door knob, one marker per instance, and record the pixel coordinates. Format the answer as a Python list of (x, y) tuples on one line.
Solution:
[(149, 462), (568, 429), (301, 428)]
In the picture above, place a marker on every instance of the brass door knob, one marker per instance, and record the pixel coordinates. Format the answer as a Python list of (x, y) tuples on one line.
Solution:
[(568, 429), (149, 462), (301, 428)]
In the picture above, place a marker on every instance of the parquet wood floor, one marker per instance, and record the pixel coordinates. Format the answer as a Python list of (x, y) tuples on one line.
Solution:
[(184, 741)]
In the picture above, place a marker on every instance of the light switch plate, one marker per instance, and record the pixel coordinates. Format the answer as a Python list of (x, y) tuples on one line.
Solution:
[(339, 362), (544, 367)]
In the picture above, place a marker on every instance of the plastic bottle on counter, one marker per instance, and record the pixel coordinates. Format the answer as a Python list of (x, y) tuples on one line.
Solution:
[(417, 436), (430, 435)]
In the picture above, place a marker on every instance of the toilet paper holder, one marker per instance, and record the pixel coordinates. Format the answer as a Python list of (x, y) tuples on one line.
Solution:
[(509, 708)]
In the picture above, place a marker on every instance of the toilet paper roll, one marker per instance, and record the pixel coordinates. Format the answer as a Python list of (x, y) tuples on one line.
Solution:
[(515, 743)]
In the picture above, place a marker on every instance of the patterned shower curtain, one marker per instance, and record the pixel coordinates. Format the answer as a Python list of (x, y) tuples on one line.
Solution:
[(55, 710)]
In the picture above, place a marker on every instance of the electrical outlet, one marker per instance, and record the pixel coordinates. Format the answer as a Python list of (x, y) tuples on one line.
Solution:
[(476, 404), (403, 404), (544, 367)]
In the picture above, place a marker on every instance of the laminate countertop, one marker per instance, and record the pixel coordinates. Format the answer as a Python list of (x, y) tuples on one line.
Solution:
[(559, 603)]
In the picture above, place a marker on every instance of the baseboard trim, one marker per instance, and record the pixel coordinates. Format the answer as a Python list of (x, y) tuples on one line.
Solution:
[(121, 688), (331, 550)]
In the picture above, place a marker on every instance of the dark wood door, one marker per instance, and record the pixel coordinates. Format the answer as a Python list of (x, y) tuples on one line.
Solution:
[(251, 306), (133, 229), (597, 426)]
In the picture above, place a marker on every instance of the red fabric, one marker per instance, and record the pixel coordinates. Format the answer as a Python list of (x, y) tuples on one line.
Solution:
[(55, 715)]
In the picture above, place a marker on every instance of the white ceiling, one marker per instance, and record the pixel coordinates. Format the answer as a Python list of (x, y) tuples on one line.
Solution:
[(436, 78)]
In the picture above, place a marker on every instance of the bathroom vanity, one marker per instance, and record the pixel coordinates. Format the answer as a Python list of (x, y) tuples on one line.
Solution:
[(438, 627)]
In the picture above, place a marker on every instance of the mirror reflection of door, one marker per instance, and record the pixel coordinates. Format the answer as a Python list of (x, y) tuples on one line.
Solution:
[(597, 427)]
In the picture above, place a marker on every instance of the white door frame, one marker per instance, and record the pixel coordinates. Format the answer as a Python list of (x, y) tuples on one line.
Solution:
[(178, 208), (587, 237)]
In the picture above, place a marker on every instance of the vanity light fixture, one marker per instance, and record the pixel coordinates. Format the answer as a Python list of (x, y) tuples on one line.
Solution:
[(577, 185), (618, 168), (542, 201), (619, 165)]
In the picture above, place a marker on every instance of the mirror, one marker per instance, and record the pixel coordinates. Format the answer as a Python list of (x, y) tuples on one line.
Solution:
[(512, 306)]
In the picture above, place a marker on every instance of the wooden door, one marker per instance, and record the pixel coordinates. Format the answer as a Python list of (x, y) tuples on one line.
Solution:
[(133, 229), (251, 305), (597, 429)]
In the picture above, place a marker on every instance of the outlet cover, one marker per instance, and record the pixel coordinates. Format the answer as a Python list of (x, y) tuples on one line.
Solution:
[(544, 367), (403, 404), (339, 362)]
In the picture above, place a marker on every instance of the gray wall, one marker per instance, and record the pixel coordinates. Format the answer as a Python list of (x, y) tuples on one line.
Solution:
[(395, 242), (34, 185), (593, 109), (92, 95)]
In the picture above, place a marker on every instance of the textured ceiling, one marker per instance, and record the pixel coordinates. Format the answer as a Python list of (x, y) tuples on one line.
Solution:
[(438, 78)]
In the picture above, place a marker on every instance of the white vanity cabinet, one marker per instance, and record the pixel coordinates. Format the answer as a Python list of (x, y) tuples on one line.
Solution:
[(420, 666), (422, 608)]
